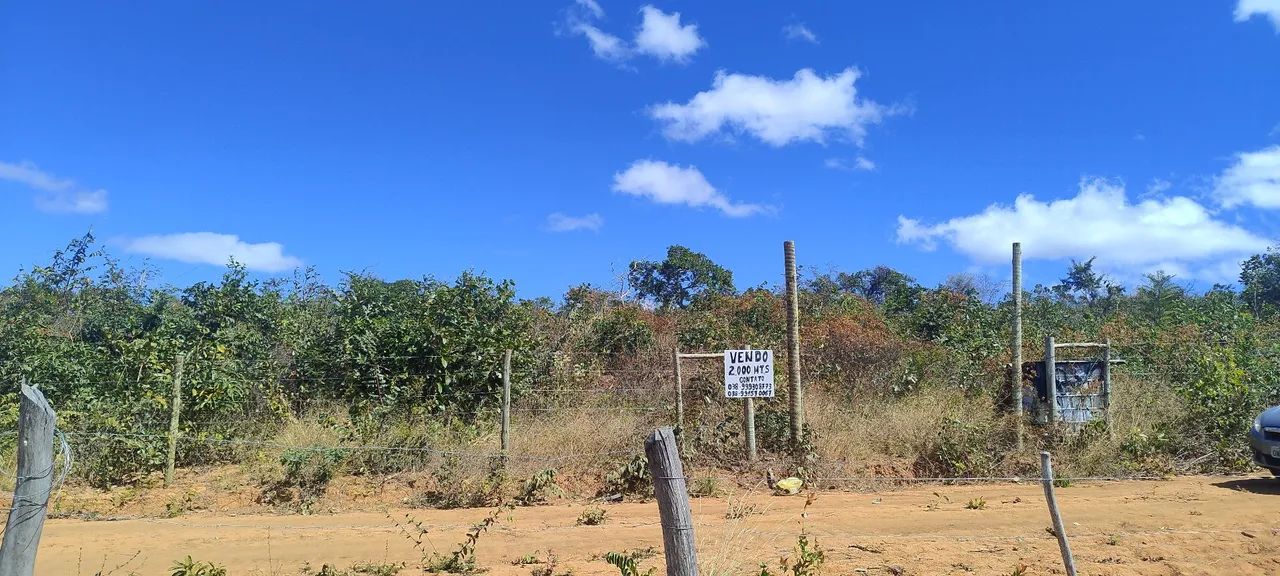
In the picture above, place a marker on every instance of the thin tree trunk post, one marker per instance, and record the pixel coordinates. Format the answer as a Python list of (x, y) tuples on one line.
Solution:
[(1046, 474), (1106, 384), (1017, 343), (749, 423), (506, 402), (1050, 380), (671, 490), (175, 411), (36, 421), (675, 362), (793, 343)]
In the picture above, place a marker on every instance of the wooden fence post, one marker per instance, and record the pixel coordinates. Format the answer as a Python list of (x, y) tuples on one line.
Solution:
[(749, 423), (506, 402), (671, 490), (675, 361), (1017, 343), (175, 409), (793, 342), (1046, 477), (36, 421)]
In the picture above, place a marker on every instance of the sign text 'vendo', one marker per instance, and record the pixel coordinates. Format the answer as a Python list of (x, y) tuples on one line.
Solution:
[(748, 373)]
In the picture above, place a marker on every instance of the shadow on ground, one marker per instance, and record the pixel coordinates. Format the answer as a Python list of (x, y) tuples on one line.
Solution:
[(1253, 485)]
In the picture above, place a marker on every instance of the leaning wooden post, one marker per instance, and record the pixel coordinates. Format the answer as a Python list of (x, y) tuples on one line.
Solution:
[(506, 402), (175, 409), (796, 390), (675, 361), (36, 421), (1046, 475), (1050, 380), (1106, 385), (1017, 343), (671, 490)]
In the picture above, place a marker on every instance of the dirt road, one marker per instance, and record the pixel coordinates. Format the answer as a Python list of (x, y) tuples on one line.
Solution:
[(1190, 525)]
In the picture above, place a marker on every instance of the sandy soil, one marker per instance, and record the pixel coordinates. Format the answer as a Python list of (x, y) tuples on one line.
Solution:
[(1190, 525)]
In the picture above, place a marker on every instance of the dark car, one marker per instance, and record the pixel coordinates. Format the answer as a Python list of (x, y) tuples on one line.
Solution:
[(1264, 438)]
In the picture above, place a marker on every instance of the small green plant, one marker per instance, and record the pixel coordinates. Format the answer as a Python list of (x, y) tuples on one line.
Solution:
[(463, 559), (357, 569), (1019, 570), (808, 557), (630, 479), (627, 563), (451, 490), (705, 487), (548, 568), (306, 471), (1113, 540), (978, 503), (189, 567), (592, 516), (1061, 481), (538, 488), (527, 559)]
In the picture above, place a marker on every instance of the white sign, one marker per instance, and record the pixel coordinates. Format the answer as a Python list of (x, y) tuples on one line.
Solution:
[(748, 373)]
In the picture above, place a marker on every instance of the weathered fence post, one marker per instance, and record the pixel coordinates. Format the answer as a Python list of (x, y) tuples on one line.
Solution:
[(506, 402), (175, 409), (675, 361), (749, 423), (793, 342), (1017, 343), (1046, 474), (34, 485), (671, 490), (1050, 380)]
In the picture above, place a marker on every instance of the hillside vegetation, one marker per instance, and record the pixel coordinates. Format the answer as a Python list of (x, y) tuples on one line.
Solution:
[(300, 381)]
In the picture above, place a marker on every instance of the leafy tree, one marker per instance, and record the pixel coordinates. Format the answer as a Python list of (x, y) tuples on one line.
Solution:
[(1159, 298), (677, 281), (1260, 276)]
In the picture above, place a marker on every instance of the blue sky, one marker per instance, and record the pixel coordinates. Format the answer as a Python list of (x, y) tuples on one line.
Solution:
[(554, 142)]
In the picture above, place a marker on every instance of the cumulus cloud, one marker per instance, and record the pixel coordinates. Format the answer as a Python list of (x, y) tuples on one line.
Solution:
[(606, 46), (592, 7), (799, 32), (213, 248), (55, 194), (1175, 233), (662, 36), (778, 112), (671, 184), (1253, 179), (1269, 9), (557, 222)]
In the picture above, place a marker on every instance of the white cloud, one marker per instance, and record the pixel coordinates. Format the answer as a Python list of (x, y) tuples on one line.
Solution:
[(58, 195), (216, 249), (799, 32), (557, 222), (606, 46), (861, 164), (670, 184), (592, 7), (1270, 9), (73, 201), (662, 36), (1254, 179), (1175, 232), (778, 112)]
